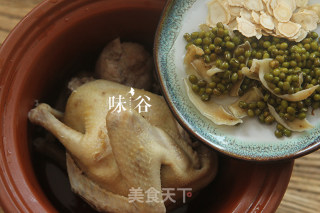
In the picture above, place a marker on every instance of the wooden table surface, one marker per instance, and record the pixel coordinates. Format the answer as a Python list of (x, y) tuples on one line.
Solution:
[(303, 194)]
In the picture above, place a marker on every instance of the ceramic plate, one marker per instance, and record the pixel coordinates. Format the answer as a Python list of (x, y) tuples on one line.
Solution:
[(251, 140)]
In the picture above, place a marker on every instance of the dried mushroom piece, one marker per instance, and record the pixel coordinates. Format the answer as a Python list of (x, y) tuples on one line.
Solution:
[(192, 53), (234, 92), (236, 87), (247, 72), (253, 95), (246, 47), (211, 110), (299, 96), (204, 27), (253, 72), (300, 79), (214, 70), (296, 125), (196, 66), (201, 68)]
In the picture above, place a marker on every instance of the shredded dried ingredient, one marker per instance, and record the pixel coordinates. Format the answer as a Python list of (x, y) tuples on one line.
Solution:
[(298, 96), (253, 72), (253, 95), (201, 68), (265, 17), (215, 112), (192, 53), (234, 92), (214, 71), (296, 125)]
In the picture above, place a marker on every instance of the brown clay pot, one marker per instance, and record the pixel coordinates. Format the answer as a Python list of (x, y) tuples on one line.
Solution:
[(45, 49)]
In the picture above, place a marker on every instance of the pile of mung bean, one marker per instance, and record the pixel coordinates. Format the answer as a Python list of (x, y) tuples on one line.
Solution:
[(291, 61)]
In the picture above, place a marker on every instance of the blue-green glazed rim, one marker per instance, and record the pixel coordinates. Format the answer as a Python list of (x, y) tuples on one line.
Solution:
[(202, 129)]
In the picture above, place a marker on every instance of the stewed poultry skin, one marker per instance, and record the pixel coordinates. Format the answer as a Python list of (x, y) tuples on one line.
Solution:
[(110, 152)]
